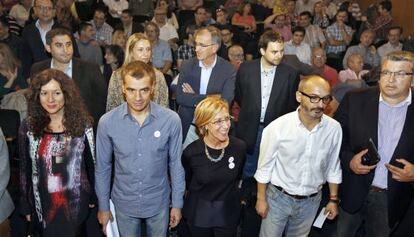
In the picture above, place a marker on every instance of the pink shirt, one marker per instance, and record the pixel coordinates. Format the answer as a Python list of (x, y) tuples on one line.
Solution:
[(285, 31), (348, 74), (189, 4)]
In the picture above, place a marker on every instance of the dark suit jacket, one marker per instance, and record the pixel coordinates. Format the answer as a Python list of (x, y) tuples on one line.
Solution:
[(302, 68), (248, 95), (221, 81), (358, 115), (34, 50), (89, 79), (137, 27)]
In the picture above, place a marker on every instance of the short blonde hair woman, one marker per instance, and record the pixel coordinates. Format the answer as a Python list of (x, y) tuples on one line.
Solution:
[(138, 48), (213, 167)]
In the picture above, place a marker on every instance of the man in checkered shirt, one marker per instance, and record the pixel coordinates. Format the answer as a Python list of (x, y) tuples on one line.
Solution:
[(338, 34), (186, 50)]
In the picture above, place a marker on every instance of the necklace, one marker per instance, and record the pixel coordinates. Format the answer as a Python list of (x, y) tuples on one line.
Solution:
[(211, 158)]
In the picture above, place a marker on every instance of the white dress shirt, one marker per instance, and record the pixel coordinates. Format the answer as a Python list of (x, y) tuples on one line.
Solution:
[(302, 51), (68, 70), (267, 76), (168, 32), (205, 75), (44, 31), (388, 48), (298, 160)]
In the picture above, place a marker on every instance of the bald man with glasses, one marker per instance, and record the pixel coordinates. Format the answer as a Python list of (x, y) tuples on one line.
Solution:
[(299, 152)]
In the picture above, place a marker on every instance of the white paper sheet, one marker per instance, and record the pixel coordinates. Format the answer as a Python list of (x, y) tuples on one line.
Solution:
[(321, 219), (112, 227)]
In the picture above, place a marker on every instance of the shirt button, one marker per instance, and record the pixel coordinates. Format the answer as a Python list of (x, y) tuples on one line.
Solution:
[(139, 154), (139, 169), (139, 139), (140, 182), (140, 195)]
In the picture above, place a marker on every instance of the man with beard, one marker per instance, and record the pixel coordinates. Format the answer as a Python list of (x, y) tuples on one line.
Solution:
[(205, 75), (299, 152), (265, 90)]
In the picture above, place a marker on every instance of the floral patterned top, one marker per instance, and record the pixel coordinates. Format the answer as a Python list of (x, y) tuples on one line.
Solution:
[(116, 97)]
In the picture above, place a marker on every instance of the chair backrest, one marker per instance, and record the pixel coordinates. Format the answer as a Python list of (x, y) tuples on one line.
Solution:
[(9, 123)]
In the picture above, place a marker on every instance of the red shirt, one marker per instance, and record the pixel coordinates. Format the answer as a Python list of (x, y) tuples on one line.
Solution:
[(331, 75)]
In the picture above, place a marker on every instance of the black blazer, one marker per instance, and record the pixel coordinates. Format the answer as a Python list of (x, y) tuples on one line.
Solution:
[(89, 79), (221, 82), (137, 27), (358, 115), (248, 95)]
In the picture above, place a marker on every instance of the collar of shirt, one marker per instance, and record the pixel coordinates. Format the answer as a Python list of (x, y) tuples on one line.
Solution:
[(290, 42), (68, 70), (154, 112), (300, 124), (269, 71), (399, 46), (362, 47), (49, 27), (201, 64), (354, 75), (405, 102)]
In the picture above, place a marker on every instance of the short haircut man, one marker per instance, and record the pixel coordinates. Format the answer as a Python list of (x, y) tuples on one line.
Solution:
[(205, 75), (261, 103), (88, 48), (318, 60), (161, 50), (288, 194), (87, 76), (34, 35), (103, 30), (297, 46), (393, 44), (146, 172), (384, 115), (369, 53), (338, 35)]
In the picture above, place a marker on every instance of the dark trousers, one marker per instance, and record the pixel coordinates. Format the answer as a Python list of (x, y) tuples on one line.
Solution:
[(228, 231), (252, 157), (373, 215)]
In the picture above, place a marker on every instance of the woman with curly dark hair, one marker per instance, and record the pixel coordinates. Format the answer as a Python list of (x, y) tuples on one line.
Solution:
[(56, 151)]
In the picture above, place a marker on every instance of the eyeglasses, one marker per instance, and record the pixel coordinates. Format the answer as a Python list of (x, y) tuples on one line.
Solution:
[(398, 75), (315, 99), (222, 121), (203, 45), (237, 55), (44, 8)]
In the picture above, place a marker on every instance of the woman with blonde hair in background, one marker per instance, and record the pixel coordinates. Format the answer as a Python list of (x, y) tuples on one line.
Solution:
[(11, 74), (138, 48)]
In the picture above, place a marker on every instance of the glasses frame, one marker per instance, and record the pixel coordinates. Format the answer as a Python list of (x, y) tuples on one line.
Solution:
[(399, 74), (203, 46), (316, 99), (219, 122)]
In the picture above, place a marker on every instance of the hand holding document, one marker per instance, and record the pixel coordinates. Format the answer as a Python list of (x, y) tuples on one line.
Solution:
[(321, 219)]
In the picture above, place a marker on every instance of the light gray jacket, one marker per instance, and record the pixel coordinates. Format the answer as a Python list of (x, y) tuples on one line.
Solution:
[(6, 203)]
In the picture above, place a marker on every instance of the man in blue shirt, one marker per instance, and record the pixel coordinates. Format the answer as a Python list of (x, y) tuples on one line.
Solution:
[(145, 139)]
